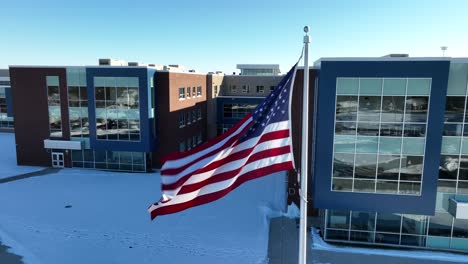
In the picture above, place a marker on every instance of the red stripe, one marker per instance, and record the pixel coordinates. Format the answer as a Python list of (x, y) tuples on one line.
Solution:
[(216, 140), (217, 195), (228, 143), (235, 156), (231, 174)]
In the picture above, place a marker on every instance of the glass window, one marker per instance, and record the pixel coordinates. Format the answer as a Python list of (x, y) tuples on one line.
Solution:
[(182, 146), (387, 238), (188, 118), (272, 88), (394, 86), (415, 130), (199, 91), (460, 228), (388, 167), (368, 128), (419, 86), (343, 165), (388, 222), (338, 219), (369, 108), (245, 88), (411, 168), (440, 224), (337, 234), (365, 166), (414, 224), (463, 168), (342, 184), (345, 128), (366, 144), (188, 92), (387, 186), (448, 168), (347, 85), (366, 237), (393, 108), (454, 108), (346, 108), (181, 93), (181, 119), (416, 108), (454, 130), (370, 86), (233, 89), (364, 185), (416, 241), (390, 145), (362, 221), (260, 89)]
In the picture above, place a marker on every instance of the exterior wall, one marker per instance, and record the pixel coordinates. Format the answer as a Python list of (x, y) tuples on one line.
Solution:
[(251, 81), (32, 117), (144, 144), (6, 103), (170, 107), (212, 81), (424, 203)]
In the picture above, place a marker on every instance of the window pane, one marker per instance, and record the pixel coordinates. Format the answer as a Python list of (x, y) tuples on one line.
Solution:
[(416, 108), (415, 130), (448, 168), (417, 241), (342, 185), (366, 144), (388, 222), (365, 166), (389, 145), (362, 236), (394, 86), (345, 143), (368, 128), (413, 146), (451, 145), (460, 228), (387, 238), (362, 221), (346, 108), (387, 186), (453, 130), (343, 165), (338, 219), (419, 86), (389, 167), (347, 85), (345, 128), (391, 129), (410, 188), (411, 168), (454, 108), (337, 234), (370, 86), (393, 108), (369, 108), (463, 168), (414, 224), (364, 186), (440, 224)]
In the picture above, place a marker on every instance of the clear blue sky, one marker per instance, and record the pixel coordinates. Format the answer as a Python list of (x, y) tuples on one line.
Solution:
[(216, 35)]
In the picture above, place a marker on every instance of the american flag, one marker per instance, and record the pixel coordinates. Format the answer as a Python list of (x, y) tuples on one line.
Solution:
[(259, 145)]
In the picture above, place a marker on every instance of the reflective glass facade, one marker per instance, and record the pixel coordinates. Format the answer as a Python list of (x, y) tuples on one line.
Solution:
[(441, 231), (117, 108), (5, 120), (380, 129), (53, 102), (78, 102), (109, 160)]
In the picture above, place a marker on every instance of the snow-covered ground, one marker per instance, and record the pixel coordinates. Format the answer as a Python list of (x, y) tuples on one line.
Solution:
[(108, 222), (8, 165)]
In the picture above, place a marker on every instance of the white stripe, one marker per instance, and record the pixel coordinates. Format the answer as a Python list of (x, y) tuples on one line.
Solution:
[(233, 165), (170, 164), (218, 186), (169, 179)]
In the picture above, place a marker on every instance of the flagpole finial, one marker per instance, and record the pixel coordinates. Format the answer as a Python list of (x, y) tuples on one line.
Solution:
[(306, 29)]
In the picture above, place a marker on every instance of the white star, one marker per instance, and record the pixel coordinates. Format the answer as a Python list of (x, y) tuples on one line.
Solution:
[(263, 124), (284, 101), (278, 108), (282, 111)]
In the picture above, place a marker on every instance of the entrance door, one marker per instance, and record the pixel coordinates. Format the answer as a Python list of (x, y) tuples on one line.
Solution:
[(57, 160)]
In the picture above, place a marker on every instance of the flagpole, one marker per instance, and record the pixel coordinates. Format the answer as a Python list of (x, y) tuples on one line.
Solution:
[(304, 154)]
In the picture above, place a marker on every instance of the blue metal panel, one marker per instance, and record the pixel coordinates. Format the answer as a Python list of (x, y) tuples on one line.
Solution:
[(233, 100), (9, 102), (392, 203), (144, 145)]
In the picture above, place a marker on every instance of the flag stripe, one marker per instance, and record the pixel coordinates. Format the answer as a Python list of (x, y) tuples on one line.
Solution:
[(199, 200), (217, 163), (227, 175), (201, 150), (224, 184), (221, 154)]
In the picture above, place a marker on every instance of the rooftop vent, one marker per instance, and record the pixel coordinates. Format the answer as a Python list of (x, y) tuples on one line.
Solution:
[(396, 55)]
